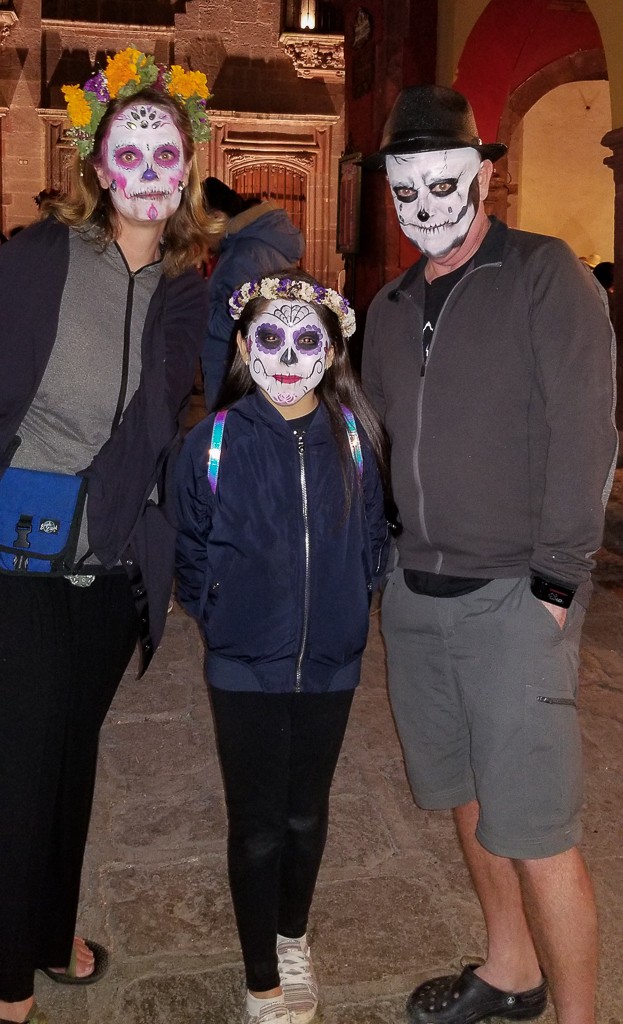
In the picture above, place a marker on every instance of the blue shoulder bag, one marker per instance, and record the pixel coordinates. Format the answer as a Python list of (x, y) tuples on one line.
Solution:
[(40, 516)]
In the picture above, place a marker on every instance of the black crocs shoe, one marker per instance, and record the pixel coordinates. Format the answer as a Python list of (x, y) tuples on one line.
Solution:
[(465, 999)]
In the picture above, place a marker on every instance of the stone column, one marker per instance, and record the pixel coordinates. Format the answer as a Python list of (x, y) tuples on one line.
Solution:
[(614, 140)]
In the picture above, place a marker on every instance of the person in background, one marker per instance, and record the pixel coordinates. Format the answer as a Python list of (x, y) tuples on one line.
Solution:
[(283, 600), (102, 317), (604, 272), (491, 363), (258, 238)]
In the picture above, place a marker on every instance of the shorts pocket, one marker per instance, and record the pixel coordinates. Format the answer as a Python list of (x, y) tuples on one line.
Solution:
[(553, 756)]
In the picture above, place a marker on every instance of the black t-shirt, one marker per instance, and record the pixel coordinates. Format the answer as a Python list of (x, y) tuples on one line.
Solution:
[(430, 583), (302, 423)]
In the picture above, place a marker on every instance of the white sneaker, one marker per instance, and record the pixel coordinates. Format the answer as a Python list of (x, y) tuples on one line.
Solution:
[(298, 980), (266, 1011)]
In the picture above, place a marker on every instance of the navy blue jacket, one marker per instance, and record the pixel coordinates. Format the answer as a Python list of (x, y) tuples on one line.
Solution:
[(277, 574)]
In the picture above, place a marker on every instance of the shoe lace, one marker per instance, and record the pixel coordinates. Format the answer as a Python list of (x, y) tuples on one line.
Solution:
[(293, 961)]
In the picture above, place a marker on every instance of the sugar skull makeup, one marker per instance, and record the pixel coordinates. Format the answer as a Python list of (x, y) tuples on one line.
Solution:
[(143, 163), (288, 347), (436, 196)]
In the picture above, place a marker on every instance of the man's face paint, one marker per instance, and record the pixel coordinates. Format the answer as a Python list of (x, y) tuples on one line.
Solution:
[(288, 347), (143, 163), (436, 196)]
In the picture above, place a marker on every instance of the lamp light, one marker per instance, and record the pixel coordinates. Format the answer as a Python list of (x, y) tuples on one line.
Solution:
[(308, 14)]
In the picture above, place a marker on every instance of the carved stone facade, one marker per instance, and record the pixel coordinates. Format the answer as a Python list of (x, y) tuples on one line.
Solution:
[(321, 57), (276, 112), (8, 19)]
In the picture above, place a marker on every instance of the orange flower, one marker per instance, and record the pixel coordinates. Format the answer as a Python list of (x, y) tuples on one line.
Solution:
[(121, 69), (188, 83), (79, 111)]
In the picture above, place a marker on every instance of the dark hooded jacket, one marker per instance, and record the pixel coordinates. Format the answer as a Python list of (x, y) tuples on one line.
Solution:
[(125, 524), (276, 571), (259, 241)]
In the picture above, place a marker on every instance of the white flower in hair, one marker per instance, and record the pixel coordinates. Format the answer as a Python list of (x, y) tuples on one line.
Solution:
[(286, 288)]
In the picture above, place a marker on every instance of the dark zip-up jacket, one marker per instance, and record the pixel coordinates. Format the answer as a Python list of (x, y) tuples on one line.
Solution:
[(503, 444), (276, 572), (124, 524)]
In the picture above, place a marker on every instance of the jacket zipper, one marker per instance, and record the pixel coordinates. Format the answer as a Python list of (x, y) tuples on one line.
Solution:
[(419, 407), (127, 327), (299, 660)]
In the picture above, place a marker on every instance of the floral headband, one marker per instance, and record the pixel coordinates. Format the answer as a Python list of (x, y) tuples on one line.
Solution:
[(127, 73), (286, 288)]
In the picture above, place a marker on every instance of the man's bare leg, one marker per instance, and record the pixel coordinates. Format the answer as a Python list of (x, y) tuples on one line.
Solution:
[(560, 905), (547, 902), (512, 963)]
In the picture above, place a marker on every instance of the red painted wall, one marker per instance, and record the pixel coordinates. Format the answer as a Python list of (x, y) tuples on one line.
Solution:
[(509, 43)]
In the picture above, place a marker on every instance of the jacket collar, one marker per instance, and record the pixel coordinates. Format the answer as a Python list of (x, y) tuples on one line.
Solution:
[(242, 220), (491, 251)]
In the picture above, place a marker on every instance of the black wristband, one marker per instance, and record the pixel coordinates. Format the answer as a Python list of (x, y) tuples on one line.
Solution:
[(553, 593)]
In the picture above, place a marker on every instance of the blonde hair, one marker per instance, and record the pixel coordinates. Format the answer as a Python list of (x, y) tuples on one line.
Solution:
[(186, 232)]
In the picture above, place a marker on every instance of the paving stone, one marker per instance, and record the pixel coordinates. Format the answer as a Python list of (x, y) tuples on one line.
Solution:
[(394, 903)]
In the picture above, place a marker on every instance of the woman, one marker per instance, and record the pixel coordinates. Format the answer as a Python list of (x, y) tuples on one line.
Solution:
[(102, 314)]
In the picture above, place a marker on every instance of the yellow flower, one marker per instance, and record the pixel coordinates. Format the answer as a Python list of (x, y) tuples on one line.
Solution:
[(121, 69), (188, 83), (79, 111)]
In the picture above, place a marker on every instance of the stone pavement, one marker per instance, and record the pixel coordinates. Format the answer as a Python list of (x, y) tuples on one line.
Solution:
[(393, 904)]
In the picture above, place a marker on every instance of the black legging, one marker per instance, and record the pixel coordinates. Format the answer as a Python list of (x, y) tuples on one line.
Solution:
[(63, 651), (278, 754)]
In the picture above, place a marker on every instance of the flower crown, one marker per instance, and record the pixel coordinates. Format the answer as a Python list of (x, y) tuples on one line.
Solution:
[(286, 288), (127, 73)]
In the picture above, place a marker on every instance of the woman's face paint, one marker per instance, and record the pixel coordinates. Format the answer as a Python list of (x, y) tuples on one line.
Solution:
[(143, 163), (288, 349), (436, 196)]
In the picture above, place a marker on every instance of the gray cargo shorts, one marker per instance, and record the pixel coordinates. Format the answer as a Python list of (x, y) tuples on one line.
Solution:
[(483, 689)]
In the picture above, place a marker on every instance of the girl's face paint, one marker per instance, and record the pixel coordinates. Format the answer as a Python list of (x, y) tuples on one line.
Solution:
[(143, 155), (288, 350)]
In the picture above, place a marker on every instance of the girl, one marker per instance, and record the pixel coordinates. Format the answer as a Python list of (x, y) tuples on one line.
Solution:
[(282, 538)]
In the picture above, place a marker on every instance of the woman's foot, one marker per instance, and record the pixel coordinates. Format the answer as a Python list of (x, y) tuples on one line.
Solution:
[(24, 1012), (82, 962)]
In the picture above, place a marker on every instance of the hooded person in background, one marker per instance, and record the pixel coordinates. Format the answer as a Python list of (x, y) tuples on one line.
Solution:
[(491, 363), (259, 238)]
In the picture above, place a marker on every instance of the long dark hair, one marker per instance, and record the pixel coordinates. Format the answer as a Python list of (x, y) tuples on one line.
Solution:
[(339, 386)]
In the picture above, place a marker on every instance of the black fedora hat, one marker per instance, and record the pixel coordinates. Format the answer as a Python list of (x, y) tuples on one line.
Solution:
[(426, 118)]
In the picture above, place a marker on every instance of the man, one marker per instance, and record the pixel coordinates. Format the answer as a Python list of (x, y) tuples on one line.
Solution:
[(490, 362)]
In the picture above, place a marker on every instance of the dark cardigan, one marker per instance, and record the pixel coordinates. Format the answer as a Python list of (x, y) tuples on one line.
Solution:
[(124, 526)]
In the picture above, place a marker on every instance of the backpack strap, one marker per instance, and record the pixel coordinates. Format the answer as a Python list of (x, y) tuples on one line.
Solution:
[(216, 443), (353, 439)]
